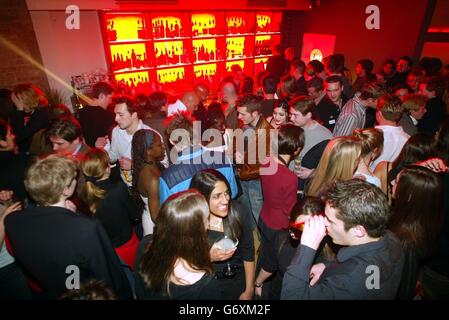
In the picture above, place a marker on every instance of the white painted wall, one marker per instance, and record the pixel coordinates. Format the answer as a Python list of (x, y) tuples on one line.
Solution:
[(69, 52)]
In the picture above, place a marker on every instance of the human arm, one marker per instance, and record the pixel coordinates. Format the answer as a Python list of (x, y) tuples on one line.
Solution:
[(5, 212), (261, 277), (381, 173), (152, 189), (250, 271)]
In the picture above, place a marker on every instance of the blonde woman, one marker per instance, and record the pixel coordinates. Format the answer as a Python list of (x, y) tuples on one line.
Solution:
[(371, 141), (340, 160), (31, 114)]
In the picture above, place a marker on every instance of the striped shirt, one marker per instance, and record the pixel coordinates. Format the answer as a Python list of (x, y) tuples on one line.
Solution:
[(352, 117)]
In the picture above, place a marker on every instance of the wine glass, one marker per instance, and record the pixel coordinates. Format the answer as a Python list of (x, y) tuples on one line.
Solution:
[(227, 243)]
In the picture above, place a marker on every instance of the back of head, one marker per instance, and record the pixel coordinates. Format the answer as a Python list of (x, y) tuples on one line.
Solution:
[(359, 203), (307, 206), (417, 212), (442, 141), (436, 83), (47, 178), (334, 64), (338, 162), (57, 111), (372, 90), (92, 290), (156, 101), (94, 165), (289, 86), (371, 141), (290, 139), (247, 85), (142, 140), (31, 95), (180, 234), (101, 88), (391, 107), (316, 65), (413, 102), (179, 128), (269, 84), (298, 65), (367, 65)]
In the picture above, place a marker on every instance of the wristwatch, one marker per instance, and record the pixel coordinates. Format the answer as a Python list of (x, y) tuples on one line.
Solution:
[(258, 285)]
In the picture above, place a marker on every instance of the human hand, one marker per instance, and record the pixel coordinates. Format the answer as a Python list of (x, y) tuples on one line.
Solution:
[(315, 273), (258, 291), (217, 254), (20, 106), (304, 173), (435, 164), (314, 232), (101, 142), (125, 163), (16, 206)]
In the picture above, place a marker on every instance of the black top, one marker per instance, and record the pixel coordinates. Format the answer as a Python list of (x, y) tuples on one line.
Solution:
[(326, 113), (95, 122), (203, 289), (302, 86), (117, 211), (347, 277), (267, 107), (12, 172), (24, 129), (46, 240), (436, 113), (277, 66)]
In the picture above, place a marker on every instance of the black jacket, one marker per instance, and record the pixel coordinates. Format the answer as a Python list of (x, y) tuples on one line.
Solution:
[(95, 122), (46, 240), (38, 120)]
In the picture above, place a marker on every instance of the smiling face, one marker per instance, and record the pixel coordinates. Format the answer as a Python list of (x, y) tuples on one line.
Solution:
[(219, 200), (123, 118), (334, 91), (279, 116)]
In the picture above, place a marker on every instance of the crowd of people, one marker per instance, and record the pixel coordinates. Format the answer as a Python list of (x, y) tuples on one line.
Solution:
[(298, 183)]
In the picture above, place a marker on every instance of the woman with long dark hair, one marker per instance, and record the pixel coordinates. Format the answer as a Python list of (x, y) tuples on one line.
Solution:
[(417, 220), (176, 264), (147, 152), (228, 218)]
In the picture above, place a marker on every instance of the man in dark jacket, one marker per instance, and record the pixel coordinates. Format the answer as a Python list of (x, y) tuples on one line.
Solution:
[(59, 248), (370, 264)]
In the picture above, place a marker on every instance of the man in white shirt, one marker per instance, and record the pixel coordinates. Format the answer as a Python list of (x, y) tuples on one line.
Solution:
[(389, 112), (119, 148)]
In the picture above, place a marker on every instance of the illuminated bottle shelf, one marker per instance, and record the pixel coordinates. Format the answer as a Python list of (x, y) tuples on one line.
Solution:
[(168, 50)]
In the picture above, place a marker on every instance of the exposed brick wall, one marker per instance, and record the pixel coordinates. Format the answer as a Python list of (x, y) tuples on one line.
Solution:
[(16, 26)]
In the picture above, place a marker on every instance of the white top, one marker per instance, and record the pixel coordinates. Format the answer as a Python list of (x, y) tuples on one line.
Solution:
[(369, 178), (394, 140), (121, 145), (147, 222), (176, 107)]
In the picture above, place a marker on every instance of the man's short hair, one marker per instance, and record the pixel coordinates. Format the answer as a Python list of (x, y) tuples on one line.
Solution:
[(101, 88), (131, 105), (269, 84), (156, 101), (335, 79), (180, 120), (391, 107), (334, 64), (251, 102), (290, 138), (46, 179), (317, 83), (413, 101), (65, 127), (303, 104), (366, 64), (359, 203), (316, 65), (372, 90)]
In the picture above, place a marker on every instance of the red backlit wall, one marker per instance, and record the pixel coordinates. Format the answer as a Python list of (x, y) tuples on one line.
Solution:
[(170, 51)]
